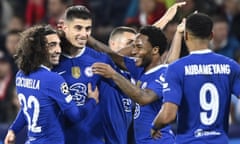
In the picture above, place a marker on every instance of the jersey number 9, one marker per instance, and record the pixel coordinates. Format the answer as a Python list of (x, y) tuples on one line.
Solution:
[(211, 105)]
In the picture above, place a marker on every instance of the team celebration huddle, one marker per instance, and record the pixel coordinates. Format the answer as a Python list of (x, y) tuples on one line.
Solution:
[(74, 89)]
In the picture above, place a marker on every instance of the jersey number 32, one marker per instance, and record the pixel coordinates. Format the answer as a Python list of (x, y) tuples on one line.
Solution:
[(31, 103)]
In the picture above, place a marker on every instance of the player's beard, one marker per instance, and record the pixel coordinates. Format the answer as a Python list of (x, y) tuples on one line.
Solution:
[(144, 62)]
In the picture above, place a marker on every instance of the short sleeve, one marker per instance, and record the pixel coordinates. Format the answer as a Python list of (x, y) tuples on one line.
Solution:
[(156, 87), (158, 83), (172, 89)]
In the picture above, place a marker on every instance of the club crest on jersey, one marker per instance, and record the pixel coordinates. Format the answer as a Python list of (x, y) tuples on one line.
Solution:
[(76, 72), (88, 72), (79, 93)]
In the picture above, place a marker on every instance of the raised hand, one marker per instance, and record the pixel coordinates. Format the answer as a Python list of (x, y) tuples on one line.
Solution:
[(10, 137), (181, 26), (171, 12), (169, 15)]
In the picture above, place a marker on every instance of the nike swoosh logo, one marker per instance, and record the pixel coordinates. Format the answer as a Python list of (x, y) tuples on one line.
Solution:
[(62, 72)]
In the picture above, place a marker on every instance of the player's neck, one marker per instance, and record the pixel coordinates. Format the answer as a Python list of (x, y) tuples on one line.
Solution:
[(156, 61), (74, 51), (195, 45), (48, 65)]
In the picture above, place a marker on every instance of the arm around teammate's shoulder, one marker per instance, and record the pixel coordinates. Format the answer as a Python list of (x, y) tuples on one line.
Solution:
[(99, 46)]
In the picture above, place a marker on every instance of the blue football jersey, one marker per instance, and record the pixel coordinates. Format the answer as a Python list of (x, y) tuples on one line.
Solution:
[(116, 112), (42, 96), (144, 115), (201, 85), (77, 73)]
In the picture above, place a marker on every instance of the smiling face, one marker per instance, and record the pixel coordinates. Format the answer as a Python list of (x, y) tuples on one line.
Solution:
[(54, 49), (77, 31), (142, 50)]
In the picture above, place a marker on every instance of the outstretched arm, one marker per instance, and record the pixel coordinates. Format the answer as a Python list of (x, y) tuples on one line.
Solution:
[(168, 16), (175, 50), (139, 95), (127, 51)]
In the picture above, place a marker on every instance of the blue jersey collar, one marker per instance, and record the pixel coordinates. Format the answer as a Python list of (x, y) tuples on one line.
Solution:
[(204, 51), (45, 67), (155, 69), (78, 55)]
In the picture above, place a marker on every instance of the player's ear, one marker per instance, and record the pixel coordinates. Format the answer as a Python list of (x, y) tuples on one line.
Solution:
[(156, 50), (211, 36), (64, 26)]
